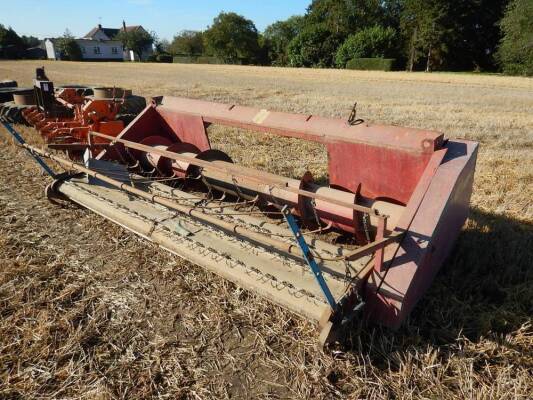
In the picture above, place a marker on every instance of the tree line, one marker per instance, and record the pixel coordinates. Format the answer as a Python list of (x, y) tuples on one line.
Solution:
[(453, 35), (12, 45)]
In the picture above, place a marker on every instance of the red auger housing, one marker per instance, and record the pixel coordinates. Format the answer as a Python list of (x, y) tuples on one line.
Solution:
[(409, 188), (370, 240)]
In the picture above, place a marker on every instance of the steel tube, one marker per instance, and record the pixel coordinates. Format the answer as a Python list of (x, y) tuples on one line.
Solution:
[(341, 216), (238, 172), (332, 206)]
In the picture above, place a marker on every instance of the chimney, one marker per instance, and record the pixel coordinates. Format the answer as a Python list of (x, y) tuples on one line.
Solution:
[(99, 26), (124, 25)]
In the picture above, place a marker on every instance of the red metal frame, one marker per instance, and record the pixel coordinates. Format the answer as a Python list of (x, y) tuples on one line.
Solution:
[(88, 115), (378, 156), (412, 167)]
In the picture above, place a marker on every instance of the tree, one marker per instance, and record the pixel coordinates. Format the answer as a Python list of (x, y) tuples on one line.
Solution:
[(516, 48), (262, 56), (187, 42), (136, 40), (162, 46), (343, 17), (452, 35), (30, 41), (424, 24), (68, 48), (376, 41), (232, 38), (473, 35), (314, 46), (11, 45), (279, 35), (392, 10)]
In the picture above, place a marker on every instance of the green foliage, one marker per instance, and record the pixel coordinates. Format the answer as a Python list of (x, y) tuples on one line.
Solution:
[(376, 41), (372, 64), (232, 38), (458, 35), (262, 56), (473, 34), (279, 35), (164, 58), (314, 46), (30, 41), (69, 48), (211, 60), (184, 59), (162, 46), (343, 17), (425, 25), (11, 45), (187, 42), (136, 40), (430, 35), (516, 49), (159, 57)]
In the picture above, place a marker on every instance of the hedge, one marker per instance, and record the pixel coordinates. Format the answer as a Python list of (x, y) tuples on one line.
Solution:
[(377, 64), (208, 60), (184, 59), (164, 58), (159, 58)]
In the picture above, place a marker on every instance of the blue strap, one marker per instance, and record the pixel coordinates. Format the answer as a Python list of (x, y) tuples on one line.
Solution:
[(308, 256)]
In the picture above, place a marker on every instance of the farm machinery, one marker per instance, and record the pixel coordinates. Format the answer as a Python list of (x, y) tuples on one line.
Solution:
[(64, 116), (396, 201)]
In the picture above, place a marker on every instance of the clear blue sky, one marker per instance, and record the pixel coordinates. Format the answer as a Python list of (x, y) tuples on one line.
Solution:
[(50, 18)]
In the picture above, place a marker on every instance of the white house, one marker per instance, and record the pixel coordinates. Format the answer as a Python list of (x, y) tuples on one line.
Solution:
[(99, 45)]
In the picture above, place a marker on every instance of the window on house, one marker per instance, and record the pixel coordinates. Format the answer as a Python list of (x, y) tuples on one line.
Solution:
[(83, 49), (96, 50), (114, 50)]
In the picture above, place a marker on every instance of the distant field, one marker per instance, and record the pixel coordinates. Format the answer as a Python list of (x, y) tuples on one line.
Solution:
[(128, 320)]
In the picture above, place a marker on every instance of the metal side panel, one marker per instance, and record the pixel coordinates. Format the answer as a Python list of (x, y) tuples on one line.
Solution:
[(281, 280), (431, 236)]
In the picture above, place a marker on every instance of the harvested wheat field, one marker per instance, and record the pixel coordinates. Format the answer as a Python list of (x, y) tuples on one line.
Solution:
[(89, 310)]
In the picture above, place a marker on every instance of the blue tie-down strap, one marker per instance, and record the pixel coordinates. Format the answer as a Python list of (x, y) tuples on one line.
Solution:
[(308, 256)]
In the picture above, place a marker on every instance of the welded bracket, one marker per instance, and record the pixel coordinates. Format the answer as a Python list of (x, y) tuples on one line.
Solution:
[(308, 256)]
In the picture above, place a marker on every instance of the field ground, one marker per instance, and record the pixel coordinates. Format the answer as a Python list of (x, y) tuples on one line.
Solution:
[(90, 311)]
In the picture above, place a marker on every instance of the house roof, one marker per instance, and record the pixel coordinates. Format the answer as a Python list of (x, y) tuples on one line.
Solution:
[(110, 32), (132, 28)]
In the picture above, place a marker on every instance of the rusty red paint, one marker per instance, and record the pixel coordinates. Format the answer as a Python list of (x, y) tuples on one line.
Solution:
[(401, 165)]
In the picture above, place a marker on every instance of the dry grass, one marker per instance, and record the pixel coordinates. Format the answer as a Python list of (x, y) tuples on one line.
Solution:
[(90, 311)]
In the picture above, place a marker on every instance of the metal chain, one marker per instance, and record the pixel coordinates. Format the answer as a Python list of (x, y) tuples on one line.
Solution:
[(333, 257), (196, 245), (365, 226)]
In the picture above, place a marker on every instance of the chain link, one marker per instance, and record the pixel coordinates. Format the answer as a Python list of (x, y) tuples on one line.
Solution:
[(203, 250)]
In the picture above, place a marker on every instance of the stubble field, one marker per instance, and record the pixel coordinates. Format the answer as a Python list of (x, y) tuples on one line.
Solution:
[(87, 310)]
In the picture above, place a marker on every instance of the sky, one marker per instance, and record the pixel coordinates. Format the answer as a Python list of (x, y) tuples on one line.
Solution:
[(50, 18)]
